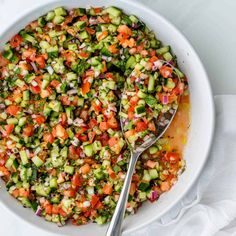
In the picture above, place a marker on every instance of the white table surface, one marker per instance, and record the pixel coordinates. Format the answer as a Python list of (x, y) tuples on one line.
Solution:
[(210, 27)]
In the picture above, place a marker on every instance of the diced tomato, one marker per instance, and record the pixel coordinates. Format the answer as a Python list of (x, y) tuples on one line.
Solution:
[(48, 138), (85, 88), (3, 160), (103, 126), (111, 173), (113, 123), (83, 137), (35, 89), (54, 83), (131, 112), (13, 110), (3, 61), (152, 126), (165, 186), (113, 141), (107, 189), (85, 169), (113, 49), (132, 189), (91, 136), (16, 41), (151, 164), (61, 212), (40, 119), (45, 93), (83, 54), (94, 200), (97, 106), (60, 132), (92, 123), (55, 209), (4, 171), (84, 114), (70, 193), (24, 193), (172, 157), (29, 54), (124, 29), (28, 130), (104, 66), (134, 100), (15, 193), (97, 10), (104, 139), (90, 30), (129, 133), (48, 209), (166, 71), (140, 126), (63, 119), (179, 89), (77, 180), (153, 59), (102, 35), (7, 130), (40, 60), (65, 100)]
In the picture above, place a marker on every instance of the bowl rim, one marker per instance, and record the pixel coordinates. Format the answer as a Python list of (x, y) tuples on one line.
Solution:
[(29, 11)]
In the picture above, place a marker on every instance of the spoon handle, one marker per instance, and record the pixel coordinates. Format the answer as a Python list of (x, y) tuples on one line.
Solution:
[(114, 228)]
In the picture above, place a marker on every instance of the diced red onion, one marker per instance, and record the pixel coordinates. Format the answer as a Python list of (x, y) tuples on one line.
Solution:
[(154, 196), (38, 211), (120, 158), (34, 66), (165, 100)]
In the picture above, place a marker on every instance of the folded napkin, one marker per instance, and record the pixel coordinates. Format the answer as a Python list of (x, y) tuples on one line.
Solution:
[(211, 203)]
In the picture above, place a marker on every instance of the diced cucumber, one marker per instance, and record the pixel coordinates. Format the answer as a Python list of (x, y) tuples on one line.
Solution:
[(146, 176), (101, 220), (170, 83), (140, 109), (80, 102), (80, 24), (163, 50), (88, 150), (141, 94), (153, 150), (12, 121), (143, 186), (69, 170), (153, 173), (84, 35), (50, 16), (24, 157), (60, 11), (130, 63), (167, 56), (142, 196), (113, 12), (150, 100), (37, 161), (29, 38), (57, 20), (71, 76), (10, 161), (42, 190), (97, 146), (151, 84)]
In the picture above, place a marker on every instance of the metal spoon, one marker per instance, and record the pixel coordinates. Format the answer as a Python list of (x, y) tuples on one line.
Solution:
[(162, 124)]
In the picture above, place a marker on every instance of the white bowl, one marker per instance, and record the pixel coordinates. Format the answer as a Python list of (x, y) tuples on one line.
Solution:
[(202, 117)]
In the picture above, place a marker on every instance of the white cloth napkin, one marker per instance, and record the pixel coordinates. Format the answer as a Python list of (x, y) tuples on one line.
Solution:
[(211, 203)]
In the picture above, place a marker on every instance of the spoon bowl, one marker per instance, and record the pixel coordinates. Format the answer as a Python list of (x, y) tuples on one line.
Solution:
[(162, 122)]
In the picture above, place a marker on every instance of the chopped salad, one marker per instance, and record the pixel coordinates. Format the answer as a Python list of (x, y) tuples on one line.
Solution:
[(62, 152)]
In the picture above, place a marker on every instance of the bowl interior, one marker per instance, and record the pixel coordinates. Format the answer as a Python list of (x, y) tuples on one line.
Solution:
[(202, 117)]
